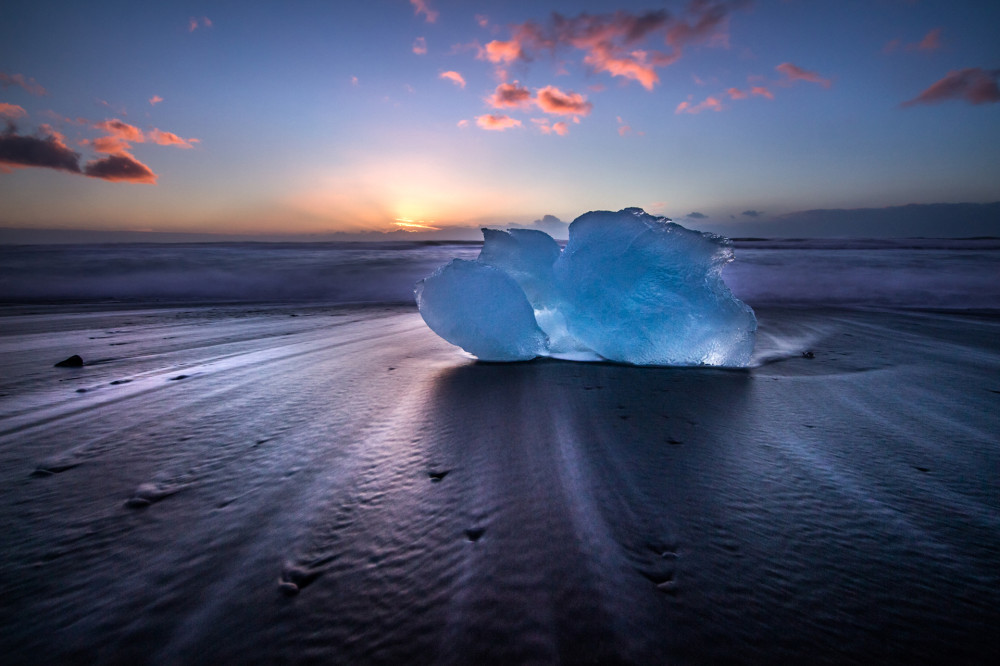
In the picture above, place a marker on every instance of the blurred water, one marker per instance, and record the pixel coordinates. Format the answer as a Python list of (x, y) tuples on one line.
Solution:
[(912, 273)]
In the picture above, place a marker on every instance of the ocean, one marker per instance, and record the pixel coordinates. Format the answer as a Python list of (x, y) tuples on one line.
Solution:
[(939, 273), (265, 456)]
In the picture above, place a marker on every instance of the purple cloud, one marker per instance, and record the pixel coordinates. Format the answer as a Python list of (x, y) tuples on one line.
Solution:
[(973, 84)]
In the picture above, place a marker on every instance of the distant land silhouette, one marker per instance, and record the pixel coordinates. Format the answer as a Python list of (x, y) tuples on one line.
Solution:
[(938, 220)]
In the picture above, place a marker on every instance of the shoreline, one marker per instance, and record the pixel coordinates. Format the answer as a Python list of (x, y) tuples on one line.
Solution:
[(345, 486)]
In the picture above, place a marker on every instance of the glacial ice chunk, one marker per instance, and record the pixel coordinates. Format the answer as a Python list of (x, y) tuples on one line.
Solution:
[(481, 309), (629, 287)]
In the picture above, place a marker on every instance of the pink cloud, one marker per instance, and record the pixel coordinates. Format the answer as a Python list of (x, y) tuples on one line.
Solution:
[(482, 20), (499, 52), (120, 135), (509, 95), (12, 111), (796, 73), (498, 123), (29, 85), (420, 7), (755, 91), (120, 168), (635, 66), (707, 22), (560, 128), (161, 138), (454, 77), (623, 127), (931, 41), (420, 46), (154, 100), (195, 23), (462, 123), (612, 42), (552, 100), (708, 104), (973, 84)]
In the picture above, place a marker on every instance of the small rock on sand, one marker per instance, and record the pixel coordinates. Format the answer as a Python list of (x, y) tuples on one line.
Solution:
[(73, 361)]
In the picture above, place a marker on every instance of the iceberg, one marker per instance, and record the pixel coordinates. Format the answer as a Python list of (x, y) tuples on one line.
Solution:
[(628, 287)]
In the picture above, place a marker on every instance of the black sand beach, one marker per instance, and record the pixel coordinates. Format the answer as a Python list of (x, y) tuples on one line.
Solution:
[(265, 484)]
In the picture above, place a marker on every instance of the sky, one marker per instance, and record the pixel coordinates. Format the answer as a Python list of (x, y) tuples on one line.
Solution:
[(383, 115)]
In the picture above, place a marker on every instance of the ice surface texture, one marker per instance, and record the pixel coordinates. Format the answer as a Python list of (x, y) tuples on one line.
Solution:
[(629, 287)]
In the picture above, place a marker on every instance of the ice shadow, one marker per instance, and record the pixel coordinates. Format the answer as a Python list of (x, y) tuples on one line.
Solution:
[(575, 472)]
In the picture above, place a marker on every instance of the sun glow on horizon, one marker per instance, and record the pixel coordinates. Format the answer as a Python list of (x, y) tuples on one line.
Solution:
[(407, 224)]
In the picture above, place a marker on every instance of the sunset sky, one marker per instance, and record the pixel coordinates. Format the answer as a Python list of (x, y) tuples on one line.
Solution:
[(291, 117)]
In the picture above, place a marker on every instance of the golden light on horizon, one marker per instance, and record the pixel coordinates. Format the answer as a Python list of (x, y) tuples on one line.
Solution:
[(407, 224)]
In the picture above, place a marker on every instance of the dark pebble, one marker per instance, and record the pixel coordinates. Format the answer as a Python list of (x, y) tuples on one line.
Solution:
[(73, 361)]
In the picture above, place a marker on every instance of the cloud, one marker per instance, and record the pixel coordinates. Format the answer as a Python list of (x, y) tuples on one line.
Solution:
[(119, 135), (613, 42), (796, 73), (560, 128), (420, 7), (755, 91), (752, 213), (195, 23), (355, 82), (930, 42), (454, 77), (12, 111), (497, 122), (550, 224), (117, 142), (7, 80), (552, 100), (463, 123), (154, 100), (973, 84), (909, 221), (623, 127), (161, 138), (420, 46), (482, 20), (696, 216), (499, 52), (120, 168), (891, 45), (48, 150), (509, 95), (709, 103), (638, 66)]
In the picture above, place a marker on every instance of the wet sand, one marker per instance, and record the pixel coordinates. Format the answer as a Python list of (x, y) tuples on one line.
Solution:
[(338, 485)]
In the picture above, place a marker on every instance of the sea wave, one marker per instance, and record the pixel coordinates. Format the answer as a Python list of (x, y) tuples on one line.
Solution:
[(903, 273)]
